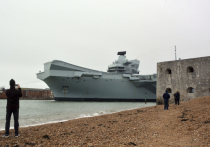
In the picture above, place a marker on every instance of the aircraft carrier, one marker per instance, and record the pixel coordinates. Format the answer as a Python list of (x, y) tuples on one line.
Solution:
[(121, 82)]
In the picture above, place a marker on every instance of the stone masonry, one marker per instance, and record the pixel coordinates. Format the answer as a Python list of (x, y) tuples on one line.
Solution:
[(191, 77)]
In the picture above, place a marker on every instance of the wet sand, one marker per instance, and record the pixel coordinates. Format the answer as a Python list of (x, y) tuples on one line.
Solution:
[(187, 124)]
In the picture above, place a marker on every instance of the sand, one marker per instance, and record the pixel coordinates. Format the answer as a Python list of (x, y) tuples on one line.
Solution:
[(187, 124)]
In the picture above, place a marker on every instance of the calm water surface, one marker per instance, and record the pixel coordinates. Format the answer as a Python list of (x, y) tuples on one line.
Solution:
[(36, 112)]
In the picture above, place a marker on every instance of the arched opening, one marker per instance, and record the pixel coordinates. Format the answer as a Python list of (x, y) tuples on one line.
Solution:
[(169, 90), (190, 69), (168, 71), (190, 90)]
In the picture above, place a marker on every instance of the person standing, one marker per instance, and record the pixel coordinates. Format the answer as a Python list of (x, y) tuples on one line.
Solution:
[(13, 96), (177, 97), (166, 96)]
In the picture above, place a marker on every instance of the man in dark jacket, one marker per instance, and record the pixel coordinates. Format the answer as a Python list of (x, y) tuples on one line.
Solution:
[(12, 107), (166, 96), (177, 97)]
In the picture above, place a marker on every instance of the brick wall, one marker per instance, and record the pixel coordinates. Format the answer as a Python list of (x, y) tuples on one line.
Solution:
[(37, 93), (32, 93), (2, 95)]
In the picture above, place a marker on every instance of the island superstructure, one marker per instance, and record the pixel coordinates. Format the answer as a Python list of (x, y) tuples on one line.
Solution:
[(121, 82)]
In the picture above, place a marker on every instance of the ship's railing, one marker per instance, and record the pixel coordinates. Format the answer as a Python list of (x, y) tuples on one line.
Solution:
[(140, 77)]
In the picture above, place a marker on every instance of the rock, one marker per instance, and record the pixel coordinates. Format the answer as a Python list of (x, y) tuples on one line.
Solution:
[(32, 144), (131, 143), (184, 119), (46, 136), (206, 122), (140, 111)]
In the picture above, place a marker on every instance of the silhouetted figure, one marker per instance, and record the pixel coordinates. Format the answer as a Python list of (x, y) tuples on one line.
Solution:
[(177, 97), (166, 96), (12, 107), (174, 98)]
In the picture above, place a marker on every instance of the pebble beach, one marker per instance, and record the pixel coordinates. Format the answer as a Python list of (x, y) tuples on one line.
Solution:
[(187, 124)]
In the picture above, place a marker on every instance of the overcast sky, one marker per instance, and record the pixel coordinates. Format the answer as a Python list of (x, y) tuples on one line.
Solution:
[(89, 33)]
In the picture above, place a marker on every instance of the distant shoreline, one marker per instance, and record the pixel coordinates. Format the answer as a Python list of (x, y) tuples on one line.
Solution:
[(36, 98), (31, 98)]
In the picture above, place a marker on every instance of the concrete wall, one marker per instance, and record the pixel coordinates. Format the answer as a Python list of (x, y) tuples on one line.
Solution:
[(194, 73)]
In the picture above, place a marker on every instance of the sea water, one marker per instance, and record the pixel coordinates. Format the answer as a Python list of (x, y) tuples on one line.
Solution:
[(37, 112)]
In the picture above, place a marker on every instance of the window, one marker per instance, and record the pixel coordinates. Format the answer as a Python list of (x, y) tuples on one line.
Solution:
[(168, 71), (190, 69), (190, 90), (64, 87), (169, 90)]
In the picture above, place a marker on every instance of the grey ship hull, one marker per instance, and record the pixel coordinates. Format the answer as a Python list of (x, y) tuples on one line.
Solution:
[(73, 83)]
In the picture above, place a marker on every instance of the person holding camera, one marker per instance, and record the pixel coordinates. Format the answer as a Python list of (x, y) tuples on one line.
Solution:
[(13, 96)]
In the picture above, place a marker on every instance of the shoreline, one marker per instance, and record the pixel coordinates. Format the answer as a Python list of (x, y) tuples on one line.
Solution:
[(187, 124), (90, 100), (27, 99), (52, 122)]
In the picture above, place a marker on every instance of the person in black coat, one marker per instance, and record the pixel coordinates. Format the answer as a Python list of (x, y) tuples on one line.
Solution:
[(13, 96), (177, 97), (166, 96)]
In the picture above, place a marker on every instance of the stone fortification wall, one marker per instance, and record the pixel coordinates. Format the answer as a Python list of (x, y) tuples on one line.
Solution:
[(190, 76)]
